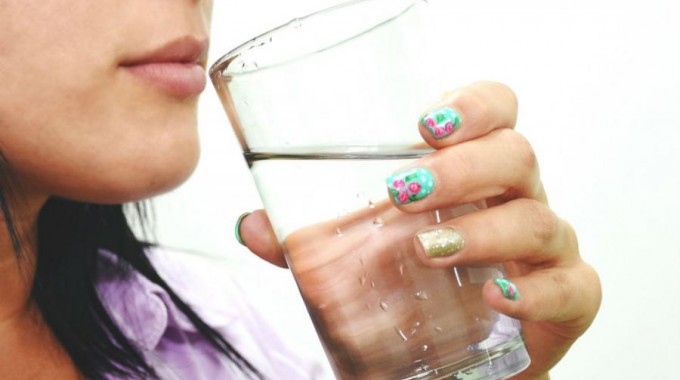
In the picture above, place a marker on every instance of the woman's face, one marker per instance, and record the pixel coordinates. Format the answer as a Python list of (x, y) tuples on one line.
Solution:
[(98, 98)]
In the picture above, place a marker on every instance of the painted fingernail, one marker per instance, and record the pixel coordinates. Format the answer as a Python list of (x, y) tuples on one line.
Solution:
[(237, 228), (508, 289), (410, 185), (440, 242), (441, 122)]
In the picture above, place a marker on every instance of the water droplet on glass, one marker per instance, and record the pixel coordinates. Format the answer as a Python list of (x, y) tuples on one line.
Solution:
[(338, 231), (402, 335), (414, 328), (425, 348), (421, 366), (401, 269), (371, 204), (362, 280), (384, 306), (421, 295), (378, 222), (373, 284), (438, 329)]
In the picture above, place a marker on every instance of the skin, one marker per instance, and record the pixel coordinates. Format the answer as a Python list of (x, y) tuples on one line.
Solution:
[(357, 319), (75, 124), (560, 293)]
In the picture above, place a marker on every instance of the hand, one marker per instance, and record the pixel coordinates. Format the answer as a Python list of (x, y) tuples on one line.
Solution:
[(484, 161)]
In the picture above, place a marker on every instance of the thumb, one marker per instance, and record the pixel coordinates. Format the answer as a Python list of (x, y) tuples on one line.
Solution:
[(256, 233)]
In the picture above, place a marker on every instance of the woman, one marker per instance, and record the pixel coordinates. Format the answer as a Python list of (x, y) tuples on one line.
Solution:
[(98, 108)]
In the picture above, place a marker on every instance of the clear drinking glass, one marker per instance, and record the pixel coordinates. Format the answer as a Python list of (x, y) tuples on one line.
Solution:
[(325, 107)]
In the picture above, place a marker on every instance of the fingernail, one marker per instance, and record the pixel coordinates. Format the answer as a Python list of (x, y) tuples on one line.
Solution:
[(508, 289), (441, 122), (410, 185), (237, 228), (440, 242)]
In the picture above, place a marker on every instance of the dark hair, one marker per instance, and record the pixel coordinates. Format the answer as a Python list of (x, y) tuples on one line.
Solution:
[(70, 234)]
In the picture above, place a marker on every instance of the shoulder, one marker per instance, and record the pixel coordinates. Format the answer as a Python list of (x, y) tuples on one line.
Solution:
[(231, 302), (146, 313)]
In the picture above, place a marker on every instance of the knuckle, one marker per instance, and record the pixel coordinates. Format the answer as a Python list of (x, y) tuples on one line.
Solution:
[(487, 105), (543, 222), (521, 149), (507, 94), (571, 238), (504, 100), (476, 106), (464, 171)]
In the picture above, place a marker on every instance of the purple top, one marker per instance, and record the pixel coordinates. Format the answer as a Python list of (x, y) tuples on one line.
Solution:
[(148, 318)]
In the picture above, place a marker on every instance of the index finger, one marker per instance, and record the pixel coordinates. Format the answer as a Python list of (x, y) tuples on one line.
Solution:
[(468, 113)]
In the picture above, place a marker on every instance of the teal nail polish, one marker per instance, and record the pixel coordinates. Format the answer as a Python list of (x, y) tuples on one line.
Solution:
[(410, 185), (508, 289), (441, 122), (237, 228)]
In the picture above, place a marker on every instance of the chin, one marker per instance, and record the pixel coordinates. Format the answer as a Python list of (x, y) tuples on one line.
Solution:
[(126, 192), (144, 184), (129, 180), (148, 169)]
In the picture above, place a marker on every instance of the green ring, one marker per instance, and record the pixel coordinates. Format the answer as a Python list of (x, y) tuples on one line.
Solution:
[(237, 228)]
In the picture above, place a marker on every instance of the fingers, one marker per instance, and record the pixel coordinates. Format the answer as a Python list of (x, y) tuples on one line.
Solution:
[(469, 113), (549, 281), (488, 160), (501, 164), (257, 234), (522, 230), (556, 306), (558, 294)]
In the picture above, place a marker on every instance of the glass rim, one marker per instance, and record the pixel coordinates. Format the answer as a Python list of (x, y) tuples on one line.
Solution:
[(225, 60)]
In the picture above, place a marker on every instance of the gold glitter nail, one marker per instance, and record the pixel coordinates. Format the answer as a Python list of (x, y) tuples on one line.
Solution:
[(441, 242)]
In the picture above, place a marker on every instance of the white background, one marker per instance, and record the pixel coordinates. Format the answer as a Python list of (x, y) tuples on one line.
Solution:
[(599, 90)]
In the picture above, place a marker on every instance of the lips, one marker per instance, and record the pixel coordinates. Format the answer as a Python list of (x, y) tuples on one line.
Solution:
[(176, 68)]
